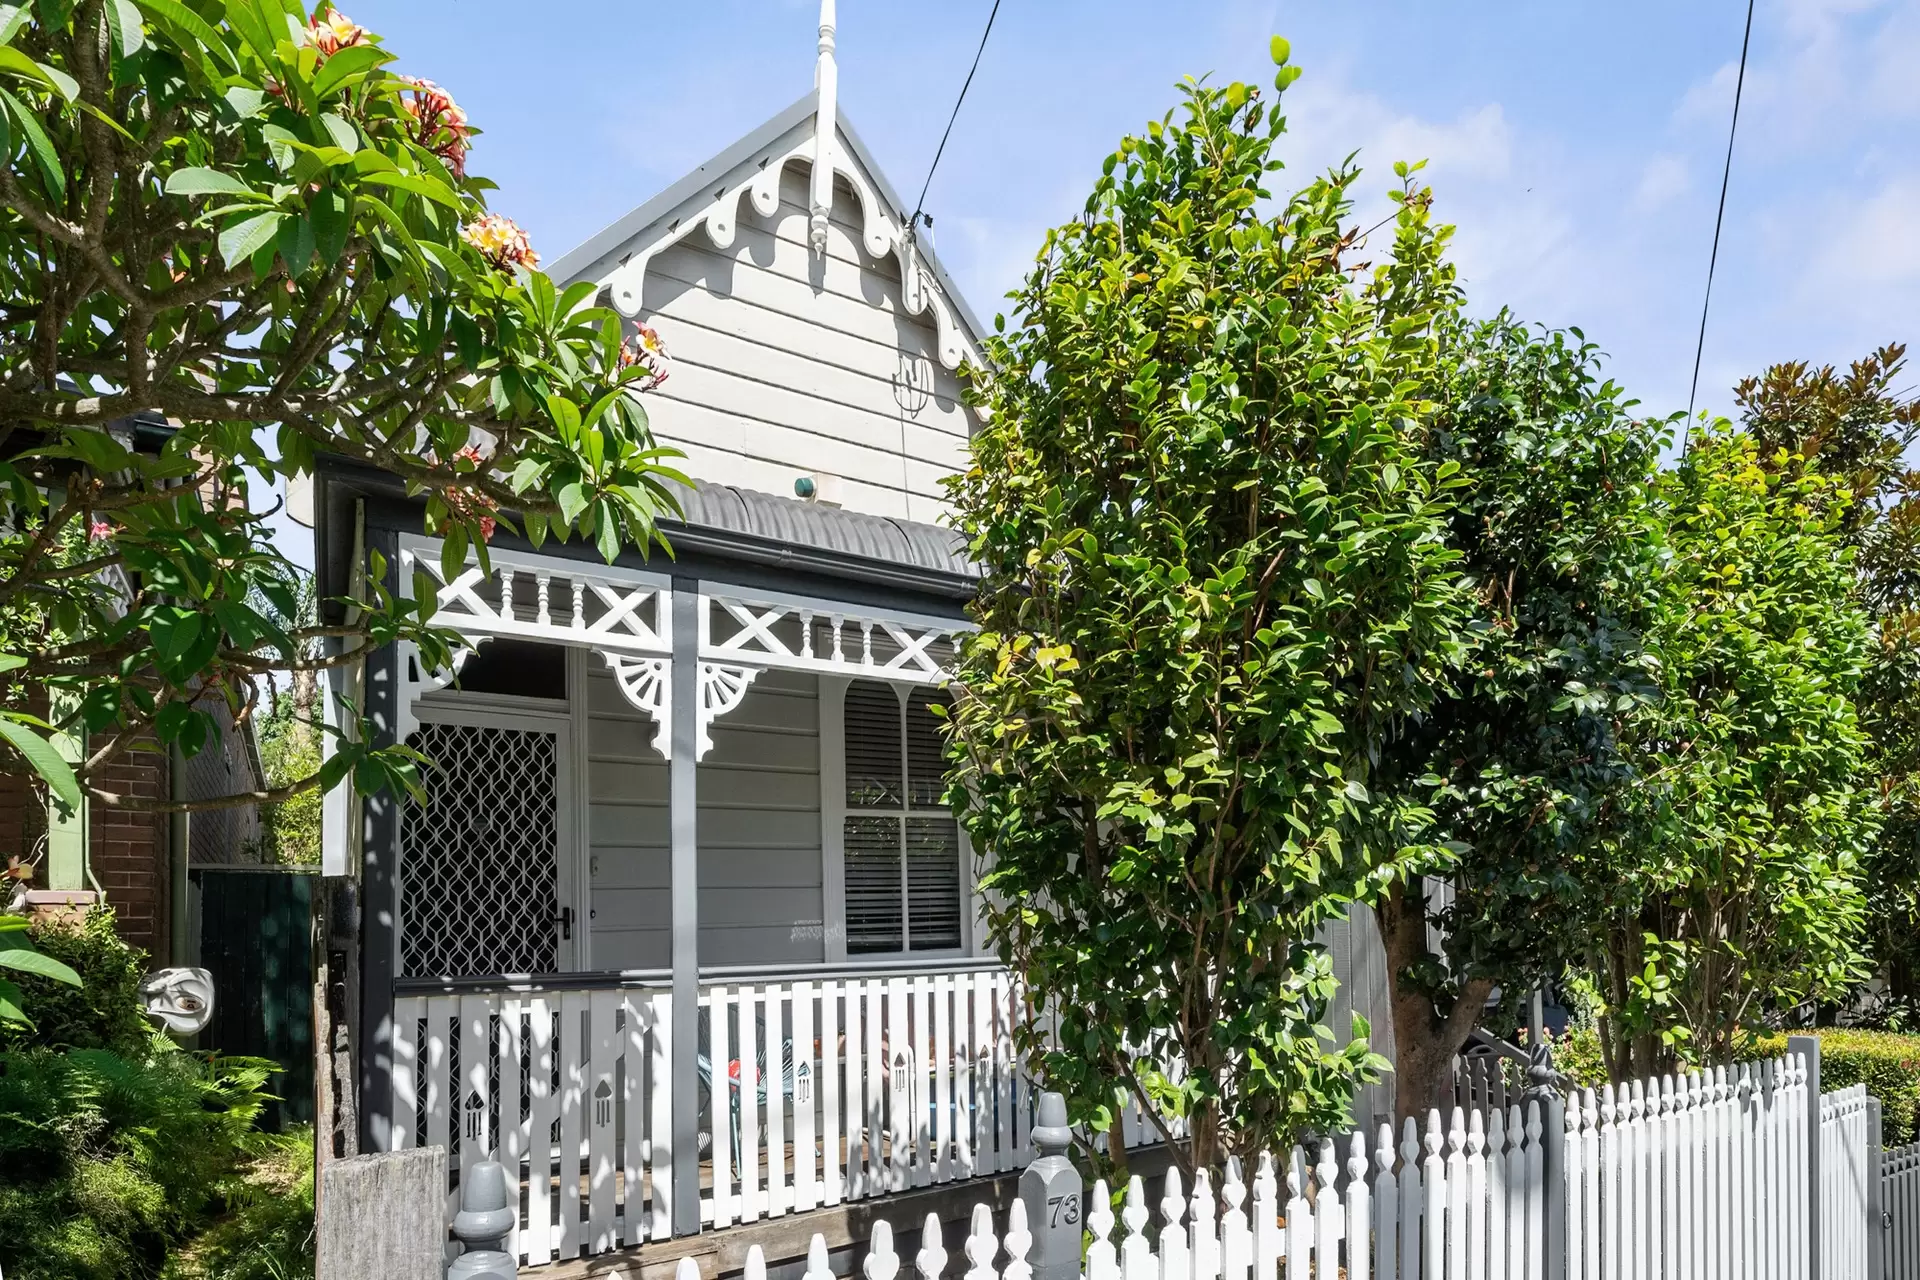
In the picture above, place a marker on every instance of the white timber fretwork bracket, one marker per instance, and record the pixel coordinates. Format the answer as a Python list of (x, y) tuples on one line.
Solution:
[(626, 616)]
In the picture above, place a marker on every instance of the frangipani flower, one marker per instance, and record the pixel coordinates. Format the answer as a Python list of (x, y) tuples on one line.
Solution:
[(502, 241), (330, 31), (645, 349), (440, 124)]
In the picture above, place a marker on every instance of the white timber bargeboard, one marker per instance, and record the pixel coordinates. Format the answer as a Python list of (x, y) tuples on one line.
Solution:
[(802, 346), (778, 369)]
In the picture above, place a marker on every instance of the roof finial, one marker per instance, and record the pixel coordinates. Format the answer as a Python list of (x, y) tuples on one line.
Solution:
[(826, 82)]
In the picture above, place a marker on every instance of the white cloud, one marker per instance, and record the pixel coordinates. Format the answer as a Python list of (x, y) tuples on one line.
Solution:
[(1664, 180), (1326, 119), (1869, 259)]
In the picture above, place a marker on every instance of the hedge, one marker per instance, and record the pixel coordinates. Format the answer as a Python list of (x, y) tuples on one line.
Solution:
[(1888, 1064)]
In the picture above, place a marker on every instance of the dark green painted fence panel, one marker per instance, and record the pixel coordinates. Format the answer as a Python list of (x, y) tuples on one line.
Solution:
[(254, 931)]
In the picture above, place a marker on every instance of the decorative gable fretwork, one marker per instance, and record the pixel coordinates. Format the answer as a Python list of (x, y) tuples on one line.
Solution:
[(882, 234), (626, 616)]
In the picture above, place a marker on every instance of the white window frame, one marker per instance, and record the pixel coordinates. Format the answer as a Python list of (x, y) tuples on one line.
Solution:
[(834, 812)]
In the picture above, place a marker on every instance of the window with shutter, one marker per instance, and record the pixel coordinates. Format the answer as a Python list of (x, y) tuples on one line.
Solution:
[(901, 848)]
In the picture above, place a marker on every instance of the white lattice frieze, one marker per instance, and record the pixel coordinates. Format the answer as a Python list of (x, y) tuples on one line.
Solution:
[(648, 685), (723, 686), (547, 599), (800, 634)]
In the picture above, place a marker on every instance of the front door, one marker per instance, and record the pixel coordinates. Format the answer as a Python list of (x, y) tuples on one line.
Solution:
[(482, 862)]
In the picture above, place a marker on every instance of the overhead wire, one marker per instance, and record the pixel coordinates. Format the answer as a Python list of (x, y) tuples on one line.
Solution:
[(919, 206), (1713, 258)]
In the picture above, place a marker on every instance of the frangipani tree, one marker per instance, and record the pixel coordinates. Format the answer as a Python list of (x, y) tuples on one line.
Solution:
[(1215, 576), (229, 218)]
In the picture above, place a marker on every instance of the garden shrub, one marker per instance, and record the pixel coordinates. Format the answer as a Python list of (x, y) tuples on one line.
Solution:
[(1888, 1064), (106, 1162), (1577, 1056), (105, 1011)]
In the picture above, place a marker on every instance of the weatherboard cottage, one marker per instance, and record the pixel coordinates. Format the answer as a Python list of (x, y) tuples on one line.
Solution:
[(685, 938)]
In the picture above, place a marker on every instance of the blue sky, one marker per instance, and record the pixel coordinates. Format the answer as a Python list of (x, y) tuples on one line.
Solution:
[(1577, 145)]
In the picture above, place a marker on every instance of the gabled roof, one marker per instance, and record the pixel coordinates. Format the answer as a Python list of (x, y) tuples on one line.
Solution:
[(714, 190)]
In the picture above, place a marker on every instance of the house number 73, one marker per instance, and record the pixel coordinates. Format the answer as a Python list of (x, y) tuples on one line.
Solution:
[(1063, 1210)]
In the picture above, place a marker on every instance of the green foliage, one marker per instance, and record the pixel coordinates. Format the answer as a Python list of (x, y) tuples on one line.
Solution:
[(28, 964), (1857, 428), (104, 1011), (1215, 577), (1577, 1055), (231, 214), (290, 749), (1888, 1064), (21, 731), (1739, 846), (106, 1162), (267, 1230), (1559, 541)]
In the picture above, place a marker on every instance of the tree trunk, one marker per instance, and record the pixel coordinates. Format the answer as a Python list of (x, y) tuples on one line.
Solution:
[(1426, 1037)]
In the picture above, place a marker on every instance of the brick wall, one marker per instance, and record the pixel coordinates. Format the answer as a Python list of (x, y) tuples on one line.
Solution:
[(21, 824), (128, 850)]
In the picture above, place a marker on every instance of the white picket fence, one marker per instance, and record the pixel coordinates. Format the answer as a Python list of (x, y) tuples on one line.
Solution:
[(1899, 1202), (826, 1091), (1846, 1155), (1702, 1175), (1696, 1175)]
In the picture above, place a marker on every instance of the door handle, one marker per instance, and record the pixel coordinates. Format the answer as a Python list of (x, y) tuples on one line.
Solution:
[(565, 921)]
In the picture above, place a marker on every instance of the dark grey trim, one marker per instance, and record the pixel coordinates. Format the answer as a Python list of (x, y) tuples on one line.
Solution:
[(725, 555), (380, 890)]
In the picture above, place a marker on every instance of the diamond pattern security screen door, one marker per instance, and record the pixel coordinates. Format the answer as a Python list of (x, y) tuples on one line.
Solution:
[(479, 863)]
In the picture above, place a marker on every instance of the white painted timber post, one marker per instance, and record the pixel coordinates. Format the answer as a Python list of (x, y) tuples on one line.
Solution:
[(1541, 1088), (1050, 1188), (1808, 1047), (684, 895), (1876, 1220)]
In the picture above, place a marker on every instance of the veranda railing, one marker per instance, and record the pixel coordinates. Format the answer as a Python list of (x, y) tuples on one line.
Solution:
[(815, 1089)]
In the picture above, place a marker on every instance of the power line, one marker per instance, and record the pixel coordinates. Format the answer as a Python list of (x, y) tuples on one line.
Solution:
[(1713, 259), (920, 204)]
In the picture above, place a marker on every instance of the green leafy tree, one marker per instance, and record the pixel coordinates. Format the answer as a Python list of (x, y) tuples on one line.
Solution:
[(1739, 845), (1856, 427), (1559, 542), (1215, 577), (230, 216)]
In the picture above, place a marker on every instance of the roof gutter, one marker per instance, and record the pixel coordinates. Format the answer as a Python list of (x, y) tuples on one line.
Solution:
[(786, 555)]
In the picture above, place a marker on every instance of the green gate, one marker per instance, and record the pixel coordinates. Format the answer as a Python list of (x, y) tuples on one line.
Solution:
[(255, 926)]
